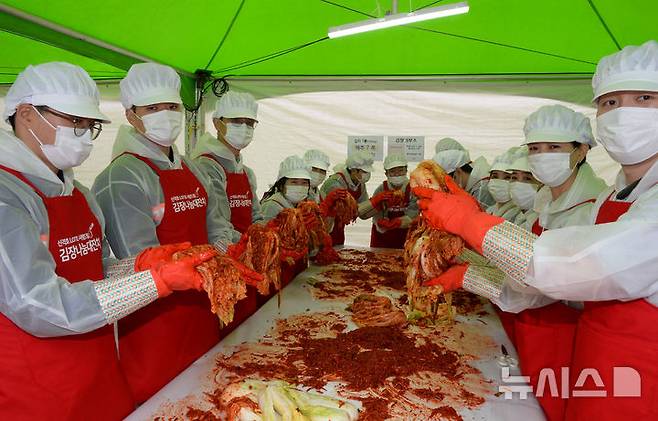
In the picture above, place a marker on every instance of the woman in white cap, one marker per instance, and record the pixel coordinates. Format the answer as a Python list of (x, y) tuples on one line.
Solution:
[(612, 266), (351, 178), (319, 163), (291, 187), (61, 292), (220, 158), (558, 139), (151, 195), (391, 222), (498, 186), (473, 176), (523, 188)]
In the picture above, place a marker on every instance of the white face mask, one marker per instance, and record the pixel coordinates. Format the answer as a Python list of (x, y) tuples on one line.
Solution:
[(296, 194), (523, 194), (365, 177), (551, 169), (397, 180), (163, 127), (317, 179), (629, 134), (239, 135), (69, 150), (499, 190)]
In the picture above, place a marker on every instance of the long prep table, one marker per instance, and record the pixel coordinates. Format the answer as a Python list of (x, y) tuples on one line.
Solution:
[(300, 299)]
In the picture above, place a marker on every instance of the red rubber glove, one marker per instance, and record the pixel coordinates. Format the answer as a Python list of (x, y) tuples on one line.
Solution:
[(327, 205), (389, 224), (181, 274), (456, 212), (450, 280), (150, 256), (378, 200)]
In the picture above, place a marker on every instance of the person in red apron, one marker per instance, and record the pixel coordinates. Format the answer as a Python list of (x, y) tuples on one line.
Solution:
[(558, 140), (219, 158), (291, 188), (61, 291), (319, 163), (151, 196), (390, 223), (350, 178), (609, 266)]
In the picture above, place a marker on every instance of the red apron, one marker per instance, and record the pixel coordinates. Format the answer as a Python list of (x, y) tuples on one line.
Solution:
[(610, 335), (159, 341), (338, 232), (240, 197), (392, 238), (75, 377), (544, 339)]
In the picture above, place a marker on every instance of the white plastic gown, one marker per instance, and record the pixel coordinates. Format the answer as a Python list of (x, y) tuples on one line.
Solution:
[(130, 195), (569, 209), (507, 210), (614, 261), (31, 294), (526, 219), (274, 204), (215, 173), (477, 182), (410, 213)]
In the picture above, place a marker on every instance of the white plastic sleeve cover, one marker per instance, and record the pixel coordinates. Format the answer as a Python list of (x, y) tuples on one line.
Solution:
[(509, 248), (119, 297), (485, 281), (121, 268)]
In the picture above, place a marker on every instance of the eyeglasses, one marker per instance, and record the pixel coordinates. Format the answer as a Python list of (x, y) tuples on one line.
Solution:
[(96, 127)]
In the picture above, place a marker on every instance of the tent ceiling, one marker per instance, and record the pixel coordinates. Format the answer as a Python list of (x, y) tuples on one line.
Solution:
[(287, 38)]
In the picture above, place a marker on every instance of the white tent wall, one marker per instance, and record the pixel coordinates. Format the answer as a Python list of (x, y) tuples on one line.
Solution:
[(486, 123)]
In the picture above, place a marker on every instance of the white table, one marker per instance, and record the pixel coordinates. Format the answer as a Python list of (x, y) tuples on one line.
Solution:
[(296, 298)]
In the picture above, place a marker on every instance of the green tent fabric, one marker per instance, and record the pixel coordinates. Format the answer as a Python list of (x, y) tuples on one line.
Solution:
[(287, 39)]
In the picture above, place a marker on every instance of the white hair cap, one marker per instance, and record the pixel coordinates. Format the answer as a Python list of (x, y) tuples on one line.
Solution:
[(318, 159), (394, 161), (635, 68), (63, 87), (448, 144), (149, 83), (360, 160), (294, 167), (236, 105), (557, 123)]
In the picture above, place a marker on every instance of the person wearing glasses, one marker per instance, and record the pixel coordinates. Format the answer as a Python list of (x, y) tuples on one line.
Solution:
[(60, 292), (220, 157), (151, 195)]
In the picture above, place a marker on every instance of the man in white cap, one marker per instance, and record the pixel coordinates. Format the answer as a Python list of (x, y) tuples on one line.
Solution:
[(61, 292), (220, 158), (612, 266), (319, 163), (391, 222), (151, 195), (291, 187), (473, 176), (351, 178)]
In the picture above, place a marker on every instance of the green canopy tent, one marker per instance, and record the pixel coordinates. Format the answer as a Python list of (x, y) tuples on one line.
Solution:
[(540, 48)]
